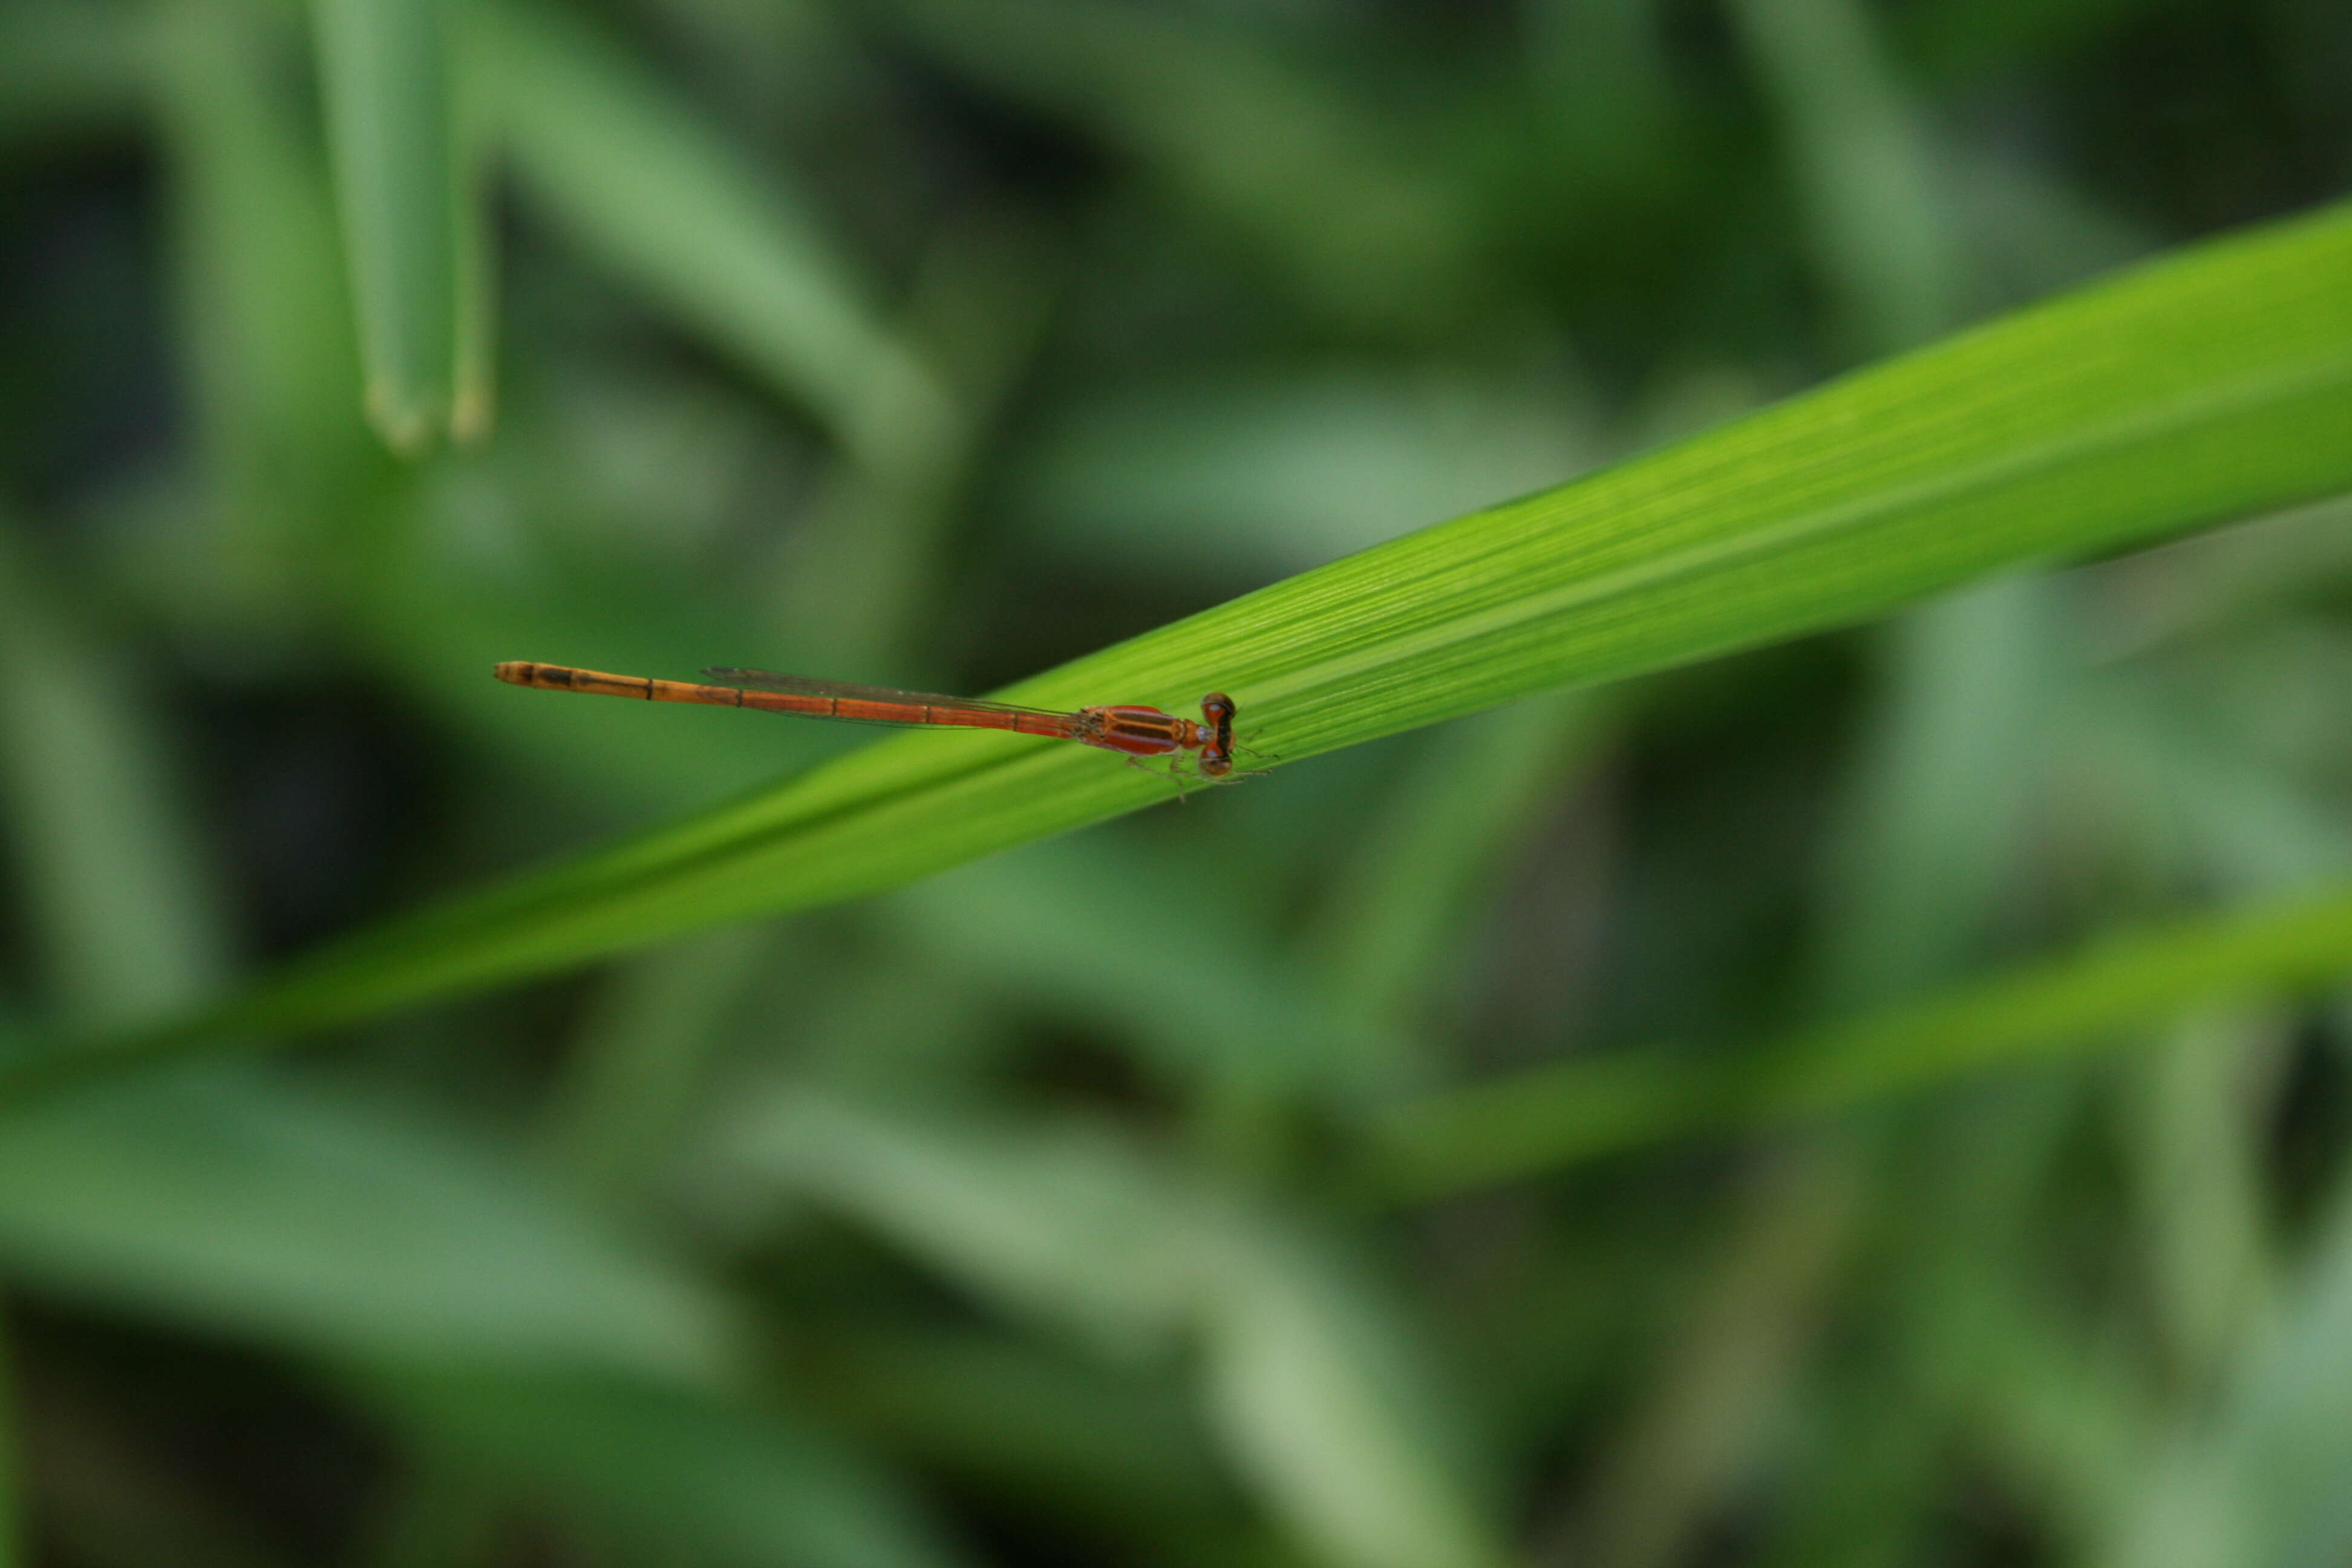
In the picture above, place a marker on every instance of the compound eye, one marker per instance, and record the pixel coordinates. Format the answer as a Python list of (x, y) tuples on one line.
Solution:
[(1215, 764), (1217, 705)]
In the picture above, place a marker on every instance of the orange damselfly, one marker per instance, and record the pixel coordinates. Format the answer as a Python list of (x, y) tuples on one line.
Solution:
[(1128, 727)]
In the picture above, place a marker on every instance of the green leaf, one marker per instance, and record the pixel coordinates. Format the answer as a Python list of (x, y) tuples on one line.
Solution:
[(2212, 385), (1578, 1109), (1329, 189), (387, 70), (643, 1059), (257, 1208), (1285, 471), (664, 1466), (114, 879), (634, 173), (1936, 805), (1395, 919), (2265, 1480), (1058, 925), (263, 325), (1069, 1225), (1879, 229), (1315, 1391), (1122, 1449)]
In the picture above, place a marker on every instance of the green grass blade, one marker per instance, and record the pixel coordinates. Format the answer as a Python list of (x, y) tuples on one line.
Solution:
[(649, 1462), (1556, 1116), (1936, 803), (1316, 1391), (473, 345), (635, 175), (1117, 1445), (385, 68), (115, 890), (2262, 1477), (1318, 182), (1310, 1385), (2212, 385), (1395, 923), (643, 1056), (1062, 1225), (1871, 193), (2198, 1112), (293, 1216), (263, 321)]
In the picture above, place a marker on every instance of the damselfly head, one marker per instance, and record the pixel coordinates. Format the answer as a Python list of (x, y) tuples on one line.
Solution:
[(1217, 712)]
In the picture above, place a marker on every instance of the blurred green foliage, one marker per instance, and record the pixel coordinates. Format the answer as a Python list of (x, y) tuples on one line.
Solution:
[(1658, 1122)]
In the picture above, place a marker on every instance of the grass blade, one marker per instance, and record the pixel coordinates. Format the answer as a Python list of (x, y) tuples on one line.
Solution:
[(654, 1463), (385, 67), (2263, 1478), (1315, 1391), (293, 1216), (1317, 1395), (1577, 1110), (114, 875), (631, 171), (2212, 385)]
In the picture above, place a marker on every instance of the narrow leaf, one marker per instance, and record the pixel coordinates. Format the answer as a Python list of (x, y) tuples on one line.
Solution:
[(2212, 385), (1312, 1392), (114, 884), (631, 170), (385, 68), (2263, 1479), (235, 1204), (1560, 1115), (665, 1468)]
